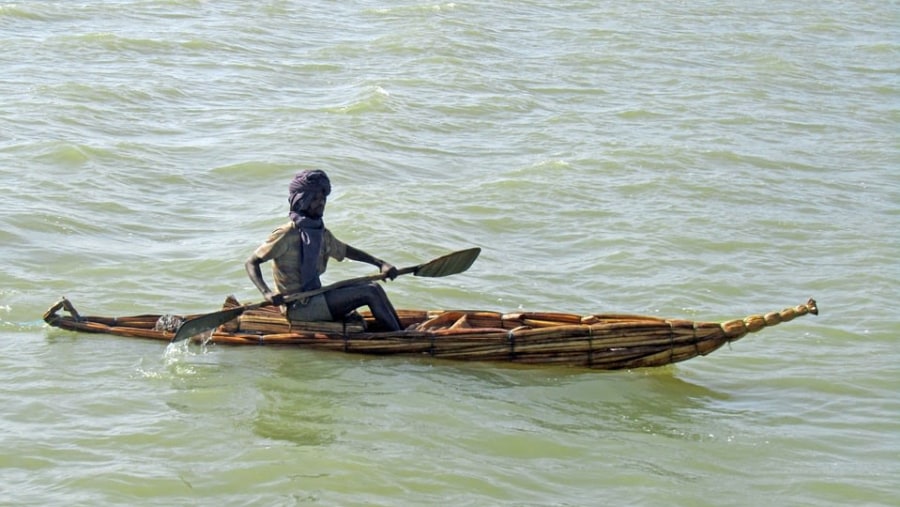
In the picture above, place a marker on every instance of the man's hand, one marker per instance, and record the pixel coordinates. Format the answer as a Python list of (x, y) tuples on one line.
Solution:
[(274, 298), (388, 270)]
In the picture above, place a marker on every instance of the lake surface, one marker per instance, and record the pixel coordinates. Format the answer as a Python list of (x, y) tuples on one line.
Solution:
[(701, 160)]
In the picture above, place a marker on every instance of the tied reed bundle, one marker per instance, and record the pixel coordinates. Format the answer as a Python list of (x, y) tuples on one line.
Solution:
[(601, 341)]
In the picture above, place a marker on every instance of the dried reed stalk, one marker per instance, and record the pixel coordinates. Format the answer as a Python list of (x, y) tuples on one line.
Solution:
[(604, 341)]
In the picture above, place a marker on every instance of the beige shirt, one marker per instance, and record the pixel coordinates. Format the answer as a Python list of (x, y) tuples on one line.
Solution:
[(283, 249)]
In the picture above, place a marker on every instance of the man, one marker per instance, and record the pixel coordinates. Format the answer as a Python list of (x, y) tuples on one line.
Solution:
[(299, 251)]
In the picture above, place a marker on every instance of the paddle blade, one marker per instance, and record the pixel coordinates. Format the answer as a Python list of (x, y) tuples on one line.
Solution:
[(204, 323), (449, 264)]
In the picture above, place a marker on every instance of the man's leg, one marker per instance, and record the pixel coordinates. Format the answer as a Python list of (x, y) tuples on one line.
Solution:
[(346, 299)]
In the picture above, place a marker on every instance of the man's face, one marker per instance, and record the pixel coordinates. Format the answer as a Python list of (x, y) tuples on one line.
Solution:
[(316, 208)]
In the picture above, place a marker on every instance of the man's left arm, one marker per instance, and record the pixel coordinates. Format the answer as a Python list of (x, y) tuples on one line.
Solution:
[(358, 255)]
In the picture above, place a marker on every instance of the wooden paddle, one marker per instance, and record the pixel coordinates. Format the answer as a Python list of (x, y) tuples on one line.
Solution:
[(446, 265)]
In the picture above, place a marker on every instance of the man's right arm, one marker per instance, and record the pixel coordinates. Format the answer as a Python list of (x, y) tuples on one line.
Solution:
[(255, 274)]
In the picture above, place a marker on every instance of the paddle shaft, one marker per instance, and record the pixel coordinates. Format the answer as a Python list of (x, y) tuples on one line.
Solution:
[(213, 320), (344, 283), (449, 264), (294, 296)]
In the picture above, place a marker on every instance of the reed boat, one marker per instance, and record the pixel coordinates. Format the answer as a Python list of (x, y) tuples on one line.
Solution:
[(599, 341)]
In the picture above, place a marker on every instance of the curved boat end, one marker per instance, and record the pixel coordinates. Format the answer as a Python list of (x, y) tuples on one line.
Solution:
[(52, 317)]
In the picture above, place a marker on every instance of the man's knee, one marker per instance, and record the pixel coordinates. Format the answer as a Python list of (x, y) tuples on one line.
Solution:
[(377, 290)]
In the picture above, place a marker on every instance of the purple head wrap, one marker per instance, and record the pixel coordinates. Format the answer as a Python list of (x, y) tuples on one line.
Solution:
[(304, 187)]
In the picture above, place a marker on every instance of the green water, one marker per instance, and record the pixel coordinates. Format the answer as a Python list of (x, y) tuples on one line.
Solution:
[(696, 160)]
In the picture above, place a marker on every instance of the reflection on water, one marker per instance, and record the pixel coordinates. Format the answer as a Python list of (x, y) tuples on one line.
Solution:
[(314, 398), (294, 412)]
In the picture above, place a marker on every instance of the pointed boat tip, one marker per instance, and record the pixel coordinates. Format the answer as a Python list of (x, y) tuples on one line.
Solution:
[(812, 306)]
